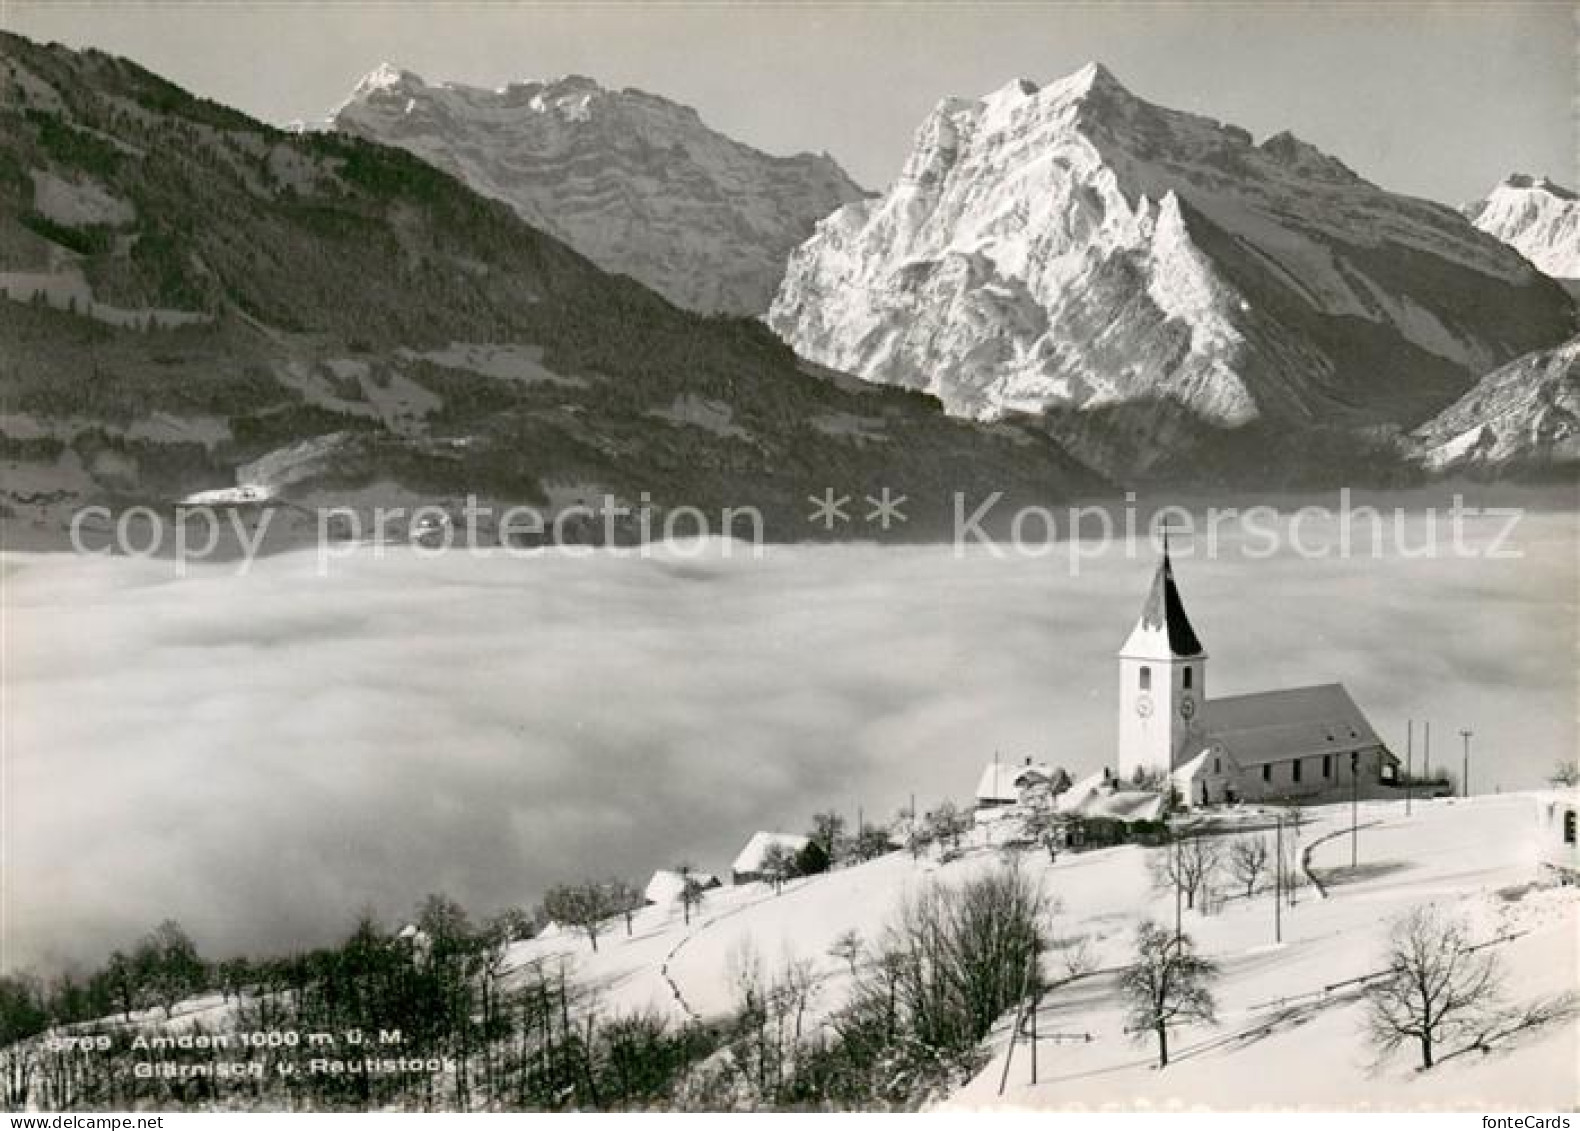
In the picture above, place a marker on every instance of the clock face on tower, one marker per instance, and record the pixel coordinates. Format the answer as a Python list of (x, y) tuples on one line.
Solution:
[(1187, 706), (1144, 705)]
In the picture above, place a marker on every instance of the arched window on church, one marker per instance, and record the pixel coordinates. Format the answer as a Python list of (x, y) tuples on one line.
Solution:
[(1187, 678), (1146, 678)]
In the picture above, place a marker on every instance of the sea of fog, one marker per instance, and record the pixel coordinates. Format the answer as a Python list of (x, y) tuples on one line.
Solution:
[(263, 755)]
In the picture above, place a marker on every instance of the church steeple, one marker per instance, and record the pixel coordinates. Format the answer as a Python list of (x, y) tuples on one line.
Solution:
[(1162, 679), (1163, 615)]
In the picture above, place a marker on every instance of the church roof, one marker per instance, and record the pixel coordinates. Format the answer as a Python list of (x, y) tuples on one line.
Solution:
[(1274, 726), (1163, 623)]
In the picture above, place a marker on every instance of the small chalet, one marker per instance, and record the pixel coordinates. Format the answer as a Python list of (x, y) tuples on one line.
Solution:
[(748, 866), (666, 885), (1002, 785)]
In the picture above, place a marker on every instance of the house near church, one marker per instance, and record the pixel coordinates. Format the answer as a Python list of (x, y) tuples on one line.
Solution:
[(748, 866), (1005, 784), (667, 885), (1298, 743)]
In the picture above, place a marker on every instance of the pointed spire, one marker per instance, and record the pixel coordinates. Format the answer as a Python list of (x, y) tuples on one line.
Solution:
[(1164, 611)]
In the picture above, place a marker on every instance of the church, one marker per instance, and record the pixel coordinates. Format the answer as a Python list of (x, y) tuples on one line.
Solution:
[(1299, 743)]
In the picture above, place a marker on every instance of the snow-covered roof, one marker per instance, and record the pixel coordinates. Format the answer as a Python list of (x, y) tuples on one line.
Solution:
[(1273, 726), (1003, 782), (1125, 805), (1071, 800), (1098, 795), (1163, 630), (666, 885), (1187, 770), (751, 857)]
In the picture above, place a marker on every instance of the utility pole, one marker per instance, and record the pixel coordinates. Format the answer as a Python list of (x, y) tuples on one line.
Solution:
[(1426, 754), (1355, 806), (1409, 751), (1464, 788), (1036, 1004), (1278, 880), (1179, 889)]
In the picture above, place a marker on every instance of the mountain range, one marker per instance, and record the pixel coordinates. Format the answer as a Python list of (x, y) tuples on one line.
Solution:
[(541, 294), (1171, 297), (200, 301), (635, 182)]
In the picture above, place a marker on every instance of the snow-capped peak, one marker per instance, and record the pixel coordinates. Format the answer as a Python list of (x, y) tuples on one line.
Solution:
[(637, 183), (1537, 217), (1074, 249), (1537, 184), (384, 77)]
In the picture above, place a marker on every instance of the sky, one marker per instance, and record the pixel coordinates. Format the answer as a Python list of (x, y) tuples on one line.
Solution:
[(262, 756), (1433, 99)]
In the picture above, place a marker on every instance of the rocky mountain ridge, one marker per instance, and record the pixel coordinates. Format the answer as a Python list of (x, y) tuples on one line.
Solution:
[(635, 182), (1167, 292)]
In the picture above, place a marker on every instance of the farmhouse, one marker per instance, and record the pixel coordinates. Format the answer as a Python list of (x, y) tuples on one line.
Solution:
[(666, 885), (1301, 742), (1002, 785), (748, 866)]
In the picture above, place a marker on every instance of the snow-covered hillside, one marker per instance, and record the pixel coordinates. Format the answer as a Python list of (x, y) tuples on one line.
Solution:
[(1538, 218), (636, 183), (1289, 1027), (1075, 247), (1476, 857)]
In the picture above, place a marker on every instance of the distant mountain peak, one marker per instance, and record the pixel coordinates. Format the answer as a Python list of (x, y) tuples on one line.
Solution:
[(634, 181), (1014, 90), (1537, 184), (1154, 278), (384, 77), (1537, 217), (1095, 76)]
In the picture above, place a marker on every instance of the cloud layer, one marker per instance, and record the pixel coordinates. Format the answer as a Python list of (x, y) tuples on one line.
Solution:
[(263, 756)]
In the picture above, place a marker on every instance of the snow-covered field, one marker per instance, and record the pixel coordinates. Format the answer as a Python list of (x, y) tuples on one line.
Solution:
[(1283, 1039)]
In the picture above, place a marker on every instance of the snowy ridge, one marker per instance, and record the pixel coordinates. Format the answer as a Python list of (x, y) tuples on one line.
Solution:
[(1536, 217), (638, 184), (1073, 246), (1525, 414), (1282, 1007)]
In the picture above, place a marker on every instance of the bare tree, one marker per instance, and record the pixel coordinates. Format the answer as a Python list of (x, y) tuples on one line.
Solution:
[(168, 966), (848, 948), (513, 924), (1248, 859), (778, 865), (1437, 988), (692, 892), (1044, 825), (1189, 864), (955, 958), (1167, 985), (585, 906), (626, 899), (870, 842), (828, 832), (1565, 774), (947, 824)]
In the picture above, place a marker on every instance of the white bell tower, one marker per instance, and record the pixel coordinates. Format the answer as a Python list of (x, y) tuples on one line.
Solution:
[(1162, 680)]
